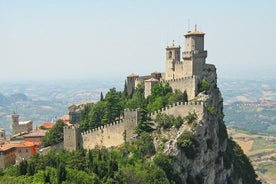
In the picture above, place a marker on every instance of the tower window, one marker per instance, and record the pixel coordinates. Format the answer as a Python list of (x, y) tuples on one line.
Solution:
[(170, 54)]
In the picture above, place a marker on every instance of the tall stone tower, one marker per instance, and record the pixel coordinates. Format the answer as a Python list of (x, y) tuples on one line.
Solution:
[(15, 122), (172, 62), (71, 137), (131, 83), (194, 55)]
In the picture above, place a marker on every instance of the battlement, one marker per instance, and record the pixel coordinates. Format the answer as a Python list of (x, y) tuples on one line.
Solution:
[(180, 79), (71, 127), (130, 110), (129, 114), (178, 63), (194, 53), (181, 109), (115, 123)]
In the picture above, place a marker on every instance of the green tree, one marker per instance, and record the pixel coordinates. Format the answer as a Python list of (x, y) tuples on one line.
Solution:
[(23, 165), (54, 135), (113, 107), (61, 173), (101, 97), (165, 162), (138, 99), (145, 144), (125, 95), (144, 123)]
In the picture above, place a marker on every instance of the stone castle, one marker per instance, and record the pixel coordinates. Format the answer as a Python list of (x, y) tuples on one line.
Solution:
[(183, 75), (20, 126)]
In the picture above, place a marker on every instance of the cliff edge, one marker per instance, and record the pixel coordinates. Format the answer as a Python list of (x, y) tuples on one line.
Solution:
[(201, 149)]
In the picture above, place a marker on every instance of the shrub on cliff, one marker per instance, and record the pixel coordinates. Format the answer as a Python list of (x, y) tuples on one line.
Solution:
[(167, 121), (204, 86), (191, 117), (187, 143)]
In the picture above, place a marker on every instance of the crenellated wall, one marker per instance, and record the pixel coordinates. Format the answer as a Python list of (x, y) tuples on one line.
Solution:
[(109, 135), (117, 133), (182, 109)]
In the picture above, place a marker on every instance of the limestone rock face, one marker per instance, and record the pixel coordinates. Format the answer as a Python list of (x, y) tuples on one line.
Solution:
[(208, 165)]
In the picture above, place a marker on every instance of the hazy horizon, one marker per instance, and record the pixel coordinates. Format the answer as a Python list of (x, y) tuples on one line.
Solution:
[(63, 40)]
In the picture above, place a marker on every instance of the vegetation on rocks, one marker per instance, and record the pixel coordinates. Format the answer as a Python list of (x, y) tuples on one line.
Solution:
[(188, 143)]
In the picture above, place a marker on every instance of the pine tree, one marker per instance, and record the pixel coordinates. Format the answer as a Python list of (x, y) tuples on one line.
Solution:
[(101, 98), (125, 90), (61, 173)]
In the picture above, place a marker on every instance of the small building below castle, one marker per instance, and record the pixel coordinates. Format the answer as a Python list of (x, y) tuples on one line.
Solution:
[(7, 155)]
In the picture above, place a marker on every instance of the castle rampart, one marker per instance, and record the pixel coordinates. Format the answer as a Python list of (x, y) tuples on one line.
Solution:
[(109, 135), (118, 132), (181, 109)]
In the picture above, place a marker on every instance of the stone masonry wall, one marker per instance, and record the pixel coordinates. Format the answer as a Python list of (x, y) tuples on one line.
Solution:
[(71, 137), (116, 133), (182, 109), (113, 133), (17, 128)]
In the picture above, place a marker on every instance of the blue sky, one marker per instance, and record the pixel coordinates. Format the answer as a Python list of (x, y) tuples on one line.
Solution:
[(49, 40)]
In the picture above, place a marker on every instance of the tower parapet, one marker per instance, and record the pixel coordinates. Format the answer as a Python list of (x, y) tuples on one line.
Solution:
[(194, 55), (131, 83), (172, 58)]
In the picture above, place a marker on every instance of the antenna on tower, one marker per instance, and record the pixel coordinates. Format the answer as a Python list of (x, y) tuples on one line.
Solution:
[(195, 27), (188, 25), (167, 39)]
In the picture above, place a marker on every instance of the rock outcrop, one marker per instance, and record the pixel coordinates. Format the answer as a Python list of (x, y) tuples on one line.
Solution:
[(213, 158)]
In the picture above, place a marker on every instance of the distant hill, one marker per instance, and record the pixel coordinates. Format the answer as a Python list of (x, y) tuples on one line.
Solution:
[(4, 100), (250, 105), (47, 102)]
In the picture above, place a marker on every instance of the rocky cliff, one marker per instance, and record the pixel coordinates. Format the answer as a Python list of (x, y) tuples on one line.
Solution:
[(201, 149)]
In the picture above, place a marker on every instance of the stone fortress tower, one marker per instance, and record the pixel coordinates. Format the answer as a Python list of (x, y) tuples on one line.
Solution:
[(183, 75), (194, 55), (23, 126), (174, 68)]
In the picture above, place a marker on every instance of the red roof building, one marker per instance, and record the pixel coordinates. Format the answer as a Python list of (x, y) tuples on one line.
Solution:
[(48, 125), (34, 136), (25, 150), (7, 155)]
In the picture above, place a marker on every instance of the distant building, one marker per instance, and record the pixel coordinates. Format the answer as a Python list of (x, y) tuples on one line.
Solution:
[(23, 126), (25, 150), (65, 118), (35, 136), (2, 134), (7, 155), (75, 111), (47, 125)]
